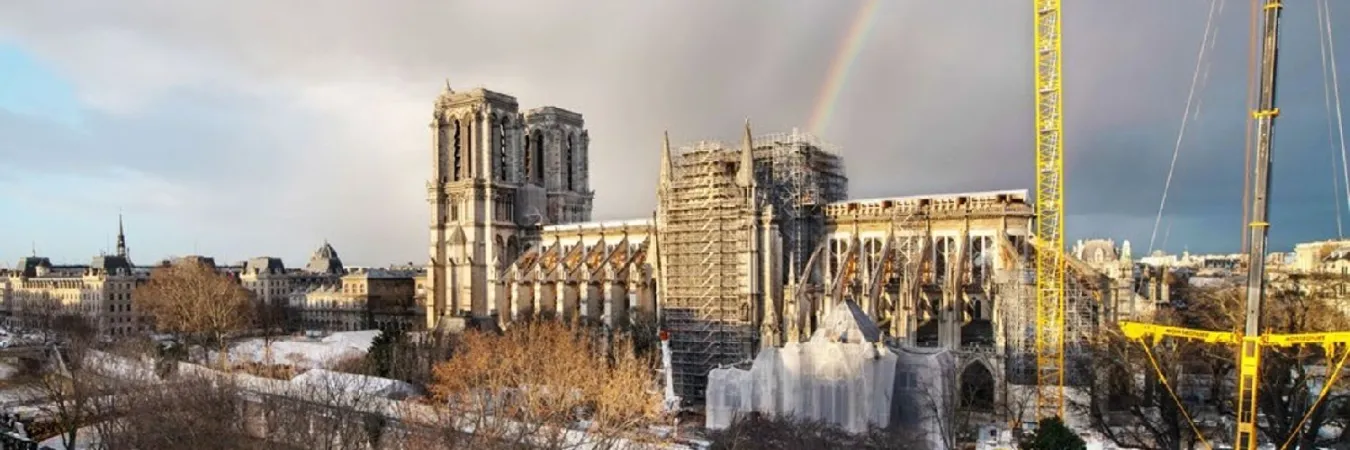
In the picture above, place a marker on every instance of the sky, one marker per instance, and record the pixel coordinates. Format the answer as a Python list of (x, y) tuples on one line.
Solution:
[(265, 127)]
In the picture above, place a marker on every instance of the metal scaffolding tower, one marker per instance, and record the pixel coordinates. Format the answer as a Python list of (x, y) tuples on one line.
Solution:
[(703, 231), (803, 174), (705, 225)]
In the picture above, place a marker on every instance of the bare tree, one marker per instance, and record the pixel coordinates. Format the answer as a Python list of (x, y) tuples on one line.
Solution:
[(532, 383), (186, 412), (1131, 406), (37, 310), (1126, 401), (328, 411), (190, 298), (270, 320), (65, 388), (1018, 406), (949, 405), (1301, 304)]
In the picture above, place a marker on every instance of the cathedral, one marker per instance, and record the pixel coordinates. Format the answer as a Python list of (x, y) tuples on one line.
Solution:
[(750, 244)]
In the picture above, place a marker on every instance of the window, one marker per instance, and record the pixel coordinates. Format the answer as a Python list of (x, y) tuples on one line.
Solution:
[(567, 164), (502, 162), (538, 168), (458, 150)]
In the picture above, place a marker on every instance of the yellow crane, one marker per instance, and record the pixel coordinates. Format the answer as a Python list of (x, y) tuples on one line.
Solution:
[(1050, 265), (1251, 341)]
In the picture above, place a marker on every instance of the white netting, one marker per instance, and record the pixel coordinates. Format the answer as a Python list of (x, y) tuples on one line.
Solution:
[(835, 377), (846, 384)]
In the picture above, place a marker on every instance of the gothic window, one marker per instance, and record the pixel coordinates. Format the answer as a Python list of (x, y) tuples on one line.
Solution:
[(512, 248), (499, 246), (501, 149), (529, 159), (469, 148), (538, 168), (458, 150), (567, 164)]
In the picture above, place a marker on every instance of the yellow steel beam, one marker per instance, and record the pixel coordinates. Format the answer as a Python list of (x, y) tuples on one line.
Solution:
[(1249, 361), (1136, 330), (1050, 270)]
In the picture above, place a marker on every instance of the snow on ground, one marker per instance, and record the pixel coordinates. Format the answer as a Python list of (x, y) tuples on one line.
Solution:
[(356, 384), (302, 352), (7, 371), (86, 438)]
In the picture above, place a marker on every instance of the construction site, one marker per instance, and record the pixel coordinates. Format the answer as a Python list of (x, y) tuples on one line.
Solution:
[(757, 260), (758, 242)]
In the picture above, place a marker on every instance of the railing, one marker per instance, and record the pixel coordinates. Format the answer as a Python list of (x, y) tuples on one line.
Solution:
[(11, 441), (11, 438)]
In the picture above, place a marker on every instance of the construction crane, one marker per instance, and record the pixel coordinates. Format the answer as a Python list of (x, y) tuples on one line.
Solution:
[(1050, 265), (1250, 340)]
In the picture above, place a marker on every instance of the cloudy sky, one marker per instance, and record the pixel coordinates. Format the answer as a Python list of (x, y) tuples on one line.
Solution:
[(256, 127)]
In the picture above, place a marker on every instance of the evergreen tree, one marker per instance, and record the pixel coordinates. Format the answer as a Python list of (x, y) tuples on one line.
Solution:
[(1051, 434), (382, 353)]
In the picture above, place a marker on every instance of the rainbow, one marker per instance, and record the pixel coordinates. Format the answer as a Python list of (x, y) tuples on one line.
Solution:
[(844, 57)]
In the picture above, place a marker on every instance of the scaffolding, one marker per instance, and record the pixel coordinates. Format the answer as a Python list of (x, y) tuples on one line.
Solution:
[(705, 234), (704, 238), (1083, 291), (799, 175)]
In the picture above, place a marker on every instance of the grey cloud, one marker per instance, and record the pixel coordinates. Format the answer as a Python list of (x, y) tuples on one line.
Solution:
[(326, 104)]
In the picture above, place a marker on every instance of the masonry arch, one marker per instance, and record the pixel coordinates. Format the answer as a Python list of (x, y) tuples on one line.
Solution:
[(512, 248), (499, 247), (977, 387)]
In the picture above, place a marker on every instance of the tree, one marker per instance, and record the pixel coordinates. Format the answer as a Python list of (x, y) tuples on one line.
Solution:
[(326, 412), (1126, 400), (383, 356), (1051, 434), (192, 299), (38, 310), (271, 321), (544, 376), (1300, 303), (1132, 407), (69, 390), (946, 404), (189, 411)]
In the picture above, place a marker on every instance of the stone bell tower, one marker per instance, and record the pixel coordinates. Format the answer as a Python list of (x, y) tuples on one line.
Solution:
[(497, 176)]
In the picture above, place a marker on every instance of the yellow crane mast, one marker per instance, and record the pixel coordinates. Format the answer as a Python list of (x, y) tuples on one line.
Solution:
[(1250, 341), (1050, 265)]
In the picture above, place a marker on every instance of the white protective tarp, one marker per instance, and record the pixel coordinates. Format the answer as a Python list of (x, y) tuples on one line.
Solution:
[(922, 393), (842, 376)]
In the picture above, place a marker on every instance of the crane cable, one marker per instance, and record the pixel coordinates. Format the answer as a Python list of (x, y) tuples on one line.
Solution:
[(1162, 378), (1331, 131), (1211, 31), (1331, 87), (1247, 137), (1326, 389)]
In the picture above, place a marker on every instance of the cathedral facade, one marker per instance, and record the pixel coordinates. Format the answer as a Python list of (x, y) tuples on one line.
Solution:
[(498, 174)]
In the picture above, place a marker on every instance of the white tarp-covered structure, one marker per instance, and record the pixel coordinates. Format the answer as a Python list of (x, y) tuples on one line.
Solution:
[(925, 393), (842, 375)]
